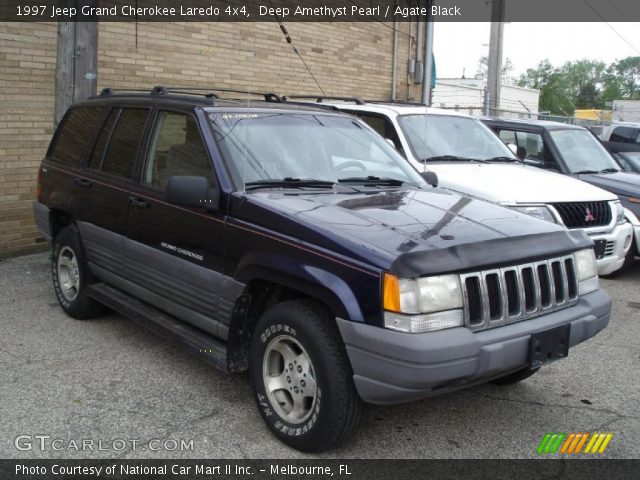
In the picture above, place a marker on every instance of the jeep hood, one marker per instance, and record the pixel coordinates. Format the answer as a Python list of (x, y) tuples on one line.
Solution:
[(512, 184), (431, 230)]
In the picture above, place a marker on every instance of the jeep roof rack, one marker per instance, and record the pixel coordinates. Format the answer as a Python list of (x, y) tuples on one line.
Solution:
[(398, 102), (208, 93), (320, 98)]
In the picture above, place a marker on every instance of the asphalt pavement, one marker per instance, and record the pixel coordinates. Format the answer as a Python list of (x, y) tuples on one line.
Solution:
[(93, 389)]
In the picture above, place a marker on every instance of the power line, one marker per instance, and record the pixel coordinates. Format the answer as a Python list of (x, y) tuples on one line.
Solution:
[(611, 27)]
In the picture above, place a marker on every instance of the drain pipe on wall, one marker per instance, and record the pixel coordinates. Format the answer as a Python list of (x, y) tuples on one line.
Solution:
[(419, 72), (411, 62), (394, 64), (428, 61)]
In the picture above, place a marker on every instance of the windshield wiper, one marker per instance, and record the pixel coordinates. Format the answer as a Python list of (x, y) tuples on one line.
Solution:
[(504, 159), (609, 170), (372, 180), (580, 172), (454, 158), (289, 182)]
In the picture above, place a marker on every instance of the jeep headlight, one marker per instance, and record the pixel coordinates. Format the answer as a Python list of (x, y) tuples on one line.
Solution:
[(618, 211), (422, 305), (537, 211), (586, 271)]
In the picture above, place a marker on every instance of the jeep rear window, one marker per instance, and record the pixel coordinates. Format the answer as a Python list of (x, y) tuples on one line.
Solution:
[(98, 150), (311, 146), (74, 134), (125, 139)]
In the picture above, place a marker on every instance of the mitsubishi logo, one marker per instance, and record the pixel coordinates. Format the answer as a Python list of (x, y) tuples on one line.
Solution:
[(589, 216)]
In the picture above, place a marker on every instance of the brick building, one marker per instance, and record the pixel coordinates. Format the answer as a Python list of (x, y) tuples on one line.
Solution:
[(346, 58)]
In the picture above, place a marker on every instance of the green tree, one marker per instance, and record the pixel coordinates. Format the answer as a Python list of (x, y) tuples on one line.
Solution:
[(506, 73), (546, 78), (627, 74), (583, 82)]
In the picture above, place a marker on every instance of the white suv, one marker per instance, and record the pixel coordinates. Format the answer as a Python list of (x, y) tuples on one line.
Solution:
[(469, 158)]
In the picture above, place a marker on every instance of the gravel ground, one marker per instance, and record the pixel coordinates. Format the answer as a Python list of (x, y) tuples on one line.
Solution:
[(109, 380)]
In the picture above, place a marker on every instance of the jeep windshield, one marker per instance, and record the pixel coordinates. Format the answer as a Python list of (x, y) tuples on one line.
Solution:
[(449, 138), (582, 152), (308, 150)]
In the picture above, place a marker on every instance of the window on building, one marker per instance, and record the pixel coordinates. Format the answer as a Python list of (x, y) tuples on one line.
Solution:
[(176, 149)]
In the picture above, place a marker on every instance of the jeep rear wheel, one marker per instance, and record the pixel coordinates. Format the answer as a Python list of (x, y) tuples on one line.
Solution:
[(71, 276), (301, 377)]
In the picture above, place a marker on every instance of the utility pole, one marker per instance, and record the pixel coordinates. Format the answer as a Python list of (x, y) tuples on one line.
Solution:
[(77, 60), (428, 56), (494, 67)]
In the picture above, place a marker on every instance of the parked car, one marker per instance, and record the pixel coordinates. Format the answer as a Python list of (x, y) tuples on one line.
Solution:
[(295, 243), (575, 151), (468, 159), (626, 154), (622, 132)]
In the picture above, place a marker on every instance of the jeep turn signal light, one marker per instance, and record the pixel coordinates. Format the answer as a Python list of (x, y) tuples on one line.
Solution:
[(391, 293), (634, 200)]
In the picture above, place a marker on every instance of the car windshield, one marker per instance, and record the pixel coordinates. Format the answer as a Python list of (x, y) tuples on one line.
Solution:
[(582, 152), (631, 160), (445, 137), (294, 148)]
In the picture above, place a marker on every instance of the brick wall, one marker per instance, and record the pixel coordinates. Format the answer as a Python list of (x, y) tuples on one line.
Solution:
[(27, 78), (346, 58)]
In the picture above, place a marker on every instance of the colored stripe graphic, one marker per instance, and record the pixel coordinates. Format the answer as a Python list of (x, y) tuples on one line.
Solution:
[(573, 443), (551, 442), (598, 442)]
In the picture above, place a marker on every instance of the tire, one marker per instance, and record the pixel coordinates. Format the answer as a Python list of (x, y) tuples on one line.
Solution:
[(515, 377), (71, 276), (303, 335)]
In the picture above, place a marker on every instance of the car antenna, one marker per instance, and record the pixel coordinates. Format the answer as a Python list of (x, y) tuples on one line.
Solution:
[(290, 42)]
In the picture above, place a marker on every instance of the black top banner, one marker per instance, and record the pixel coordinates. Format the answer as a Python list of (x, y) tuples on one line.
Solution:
[(320, 10)]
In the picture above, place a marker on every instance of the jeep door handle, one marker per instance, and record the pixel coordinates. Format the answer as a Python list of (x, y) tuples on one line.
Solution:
[(138, 202), (82, 182)]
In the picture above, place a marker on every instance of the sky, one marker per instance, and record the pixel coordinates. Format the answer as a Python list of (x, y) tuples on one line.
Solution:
[(458, 46)]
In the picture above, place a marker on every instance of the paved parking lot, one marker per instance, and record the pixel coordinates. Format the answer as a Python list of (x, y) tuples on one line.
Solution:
[(109, 380)]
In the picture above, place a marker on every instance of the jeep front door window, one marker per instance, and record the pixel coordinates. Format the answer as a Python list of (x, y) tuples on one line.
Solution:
[(176, 148)]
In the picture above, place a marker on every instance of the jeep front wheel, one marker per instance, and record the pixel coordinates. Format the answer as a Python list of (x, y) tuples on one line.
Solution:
[(301, 377)]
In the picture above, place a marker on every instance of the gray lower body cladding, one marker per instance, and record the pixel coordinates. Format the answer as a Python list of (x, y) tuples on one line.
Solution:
[(43, 220), (391, 367)]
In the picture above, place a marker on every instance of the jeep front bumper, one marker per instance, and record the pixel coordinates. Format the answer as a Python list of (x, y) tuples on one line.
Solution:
[(392, 367)]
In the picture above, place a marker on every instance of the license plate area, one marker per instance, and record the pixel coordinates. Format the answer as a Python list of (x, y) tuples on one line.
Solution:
[(599, 247), (549, 346)]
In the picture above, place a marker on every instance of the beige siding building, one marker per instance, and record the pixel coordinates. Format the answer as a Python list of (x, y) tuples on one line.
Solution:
[(346, 58)]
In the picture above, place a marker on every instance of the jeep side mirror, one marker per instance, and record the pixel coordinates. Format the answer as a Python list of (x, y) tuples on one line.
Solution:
[(190, 191), (430, 177)]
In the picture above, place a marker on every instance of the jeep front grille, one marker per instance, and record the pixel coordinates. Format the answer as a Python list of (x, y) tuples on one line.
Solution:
[(584, 214), (510, 294)]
